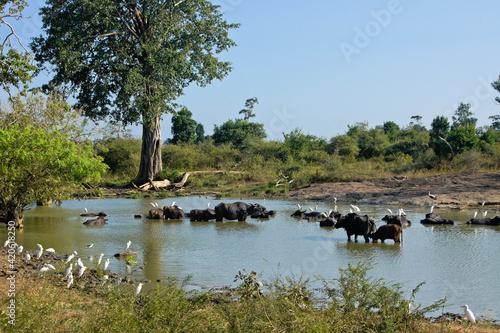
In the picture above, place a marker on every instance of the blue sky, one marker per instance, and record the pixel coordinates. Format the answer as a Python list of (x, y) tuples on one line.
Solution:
[(323, 65)]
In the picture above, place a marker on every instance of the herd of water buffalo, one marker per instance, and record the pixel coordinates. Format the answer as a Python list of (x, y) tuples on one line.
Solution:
[(354, 224)]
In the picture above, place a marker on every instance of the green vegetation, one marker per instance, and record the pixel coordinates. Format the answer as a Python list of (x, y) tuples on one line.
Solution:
[(353, 302), (253, 165), (16, 68)]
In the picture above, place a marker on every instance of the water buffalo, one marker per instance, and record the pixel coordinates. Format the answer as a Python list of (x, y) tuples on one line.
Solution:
[(156, 213), (206, 214), (388, 231), (173, 212), (263, 214), (396, 219), (486, 221), (328, 222), (433, 218), (236, 211), (357, 225), (101, 214), (97, 221)]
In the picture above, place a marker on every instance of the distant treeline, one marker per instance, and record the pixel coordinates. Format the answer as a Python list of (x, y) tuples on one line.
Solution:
[(298, 159)]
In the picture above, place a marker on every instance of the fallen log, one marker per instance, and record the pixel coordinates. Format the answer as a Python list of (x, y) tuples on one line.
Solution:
[(187, 174)]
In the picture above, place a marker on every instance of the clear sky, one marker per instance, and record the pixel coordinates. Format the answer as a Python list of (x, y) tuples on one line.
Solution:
[(323, 65)]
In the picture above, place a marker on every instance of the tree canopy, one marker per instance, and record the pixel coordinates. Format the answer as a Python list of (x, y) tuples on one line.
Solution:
[(130, 60), (41, 165)]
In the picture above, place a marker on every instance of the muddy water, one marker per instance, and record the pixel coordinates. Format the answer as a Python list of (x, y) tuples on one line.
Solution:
[(458, 261)]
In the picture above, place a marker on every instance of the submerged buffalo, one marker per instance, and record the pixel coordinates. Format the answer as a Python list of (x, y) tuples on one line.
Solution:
[(433, 218), (396, 219), (236, 211), (156, 213), (173, 212), (206, 214), (357, 225), (486, 221), (388, 231), (97, 221)]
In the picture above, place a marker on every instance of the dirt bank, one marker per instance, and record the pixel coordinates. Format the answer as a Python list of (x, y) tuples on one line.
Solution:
[(458, 191)]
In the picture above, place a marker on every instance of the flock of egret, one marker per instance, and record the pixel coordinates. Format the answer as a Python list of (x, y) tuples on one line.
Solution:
[(68, 274)]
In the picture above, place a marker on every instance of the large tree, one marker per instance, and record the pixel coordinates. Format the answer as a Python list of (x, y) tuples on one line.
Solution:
[(128, 61)]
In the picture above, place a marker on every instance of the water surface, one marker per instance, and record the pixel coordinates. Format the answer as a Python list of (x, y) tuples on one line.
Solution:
[(458, 261)]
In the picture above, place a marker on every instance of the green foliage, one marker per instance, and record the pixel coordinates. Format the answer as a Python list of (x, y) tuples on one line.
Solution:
[(250, 286), (495, 122), (440, 127), (42, 165), (121, 155), (463, 138), (248, 110), (49, 112), (183, 127), (238, 132), (16, 68)]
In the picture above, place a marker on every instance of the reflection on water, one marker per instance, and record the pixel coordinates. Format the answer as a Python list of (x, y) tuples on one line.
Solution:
[(458, 261)]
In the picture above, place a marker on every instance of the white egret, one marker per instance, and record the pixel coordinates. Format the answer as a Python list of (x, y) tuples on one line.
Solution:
[(90, 245), (432, 208), (138, 289), (432, 196), (79, 262), (75, 253), (482, 204), (152, 204), (128, 245), (208, 205), (173, 204), (485, 213), (50, 250), (100, 258), (20, 249), (28, 257), (106, 264), (71, 256), (390, 211), (475, 214), (300, 207), (40, 251), (104, 278), (49, 266), (68, 270), (85, 208), (70, 280), (468, 313), (6, 243), (80, 272), (43, 269)]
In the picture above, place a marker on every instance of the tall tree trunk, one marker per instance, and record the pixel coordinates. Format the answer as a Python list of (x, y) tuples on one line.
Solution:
[(151, 152)]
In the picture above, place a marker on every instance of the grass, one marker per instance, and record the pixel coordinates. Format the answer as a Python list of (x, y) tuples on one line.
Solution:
[(355, 302)]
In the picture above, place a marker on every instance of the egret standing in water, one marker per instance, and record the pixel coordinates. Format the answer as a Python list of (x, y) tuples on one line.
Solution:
[(468, 313)]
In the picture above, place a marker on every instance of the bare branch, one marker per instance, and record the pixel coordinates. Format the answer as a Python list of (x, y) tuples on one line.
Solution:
[(14, 33)]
